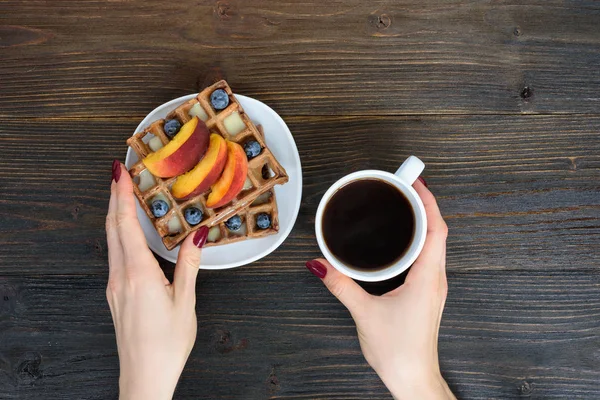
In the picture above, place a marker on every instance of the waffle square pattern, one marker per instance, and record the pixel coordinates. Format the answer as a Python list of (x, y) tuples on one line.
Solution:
[(255, 198)]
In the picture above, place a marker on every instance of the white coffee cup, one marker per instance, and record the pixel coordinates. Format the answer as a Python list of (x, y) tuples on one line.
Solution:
[(403, 179)]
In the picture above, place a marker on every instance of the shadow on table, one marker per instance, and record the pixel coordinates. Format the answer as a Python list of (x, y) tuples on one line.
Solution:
[(379, 288)]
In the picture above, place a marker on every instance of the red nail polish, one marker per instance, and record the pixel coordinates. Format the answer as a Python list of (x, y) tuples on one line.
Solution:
[(316, 268), (116, 170), (200, 237), (422, 181)]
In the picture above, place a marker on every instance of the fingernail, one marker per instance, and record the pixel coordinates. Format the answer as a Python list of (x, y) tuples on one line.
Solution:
[(200, 237), (422, 181), (116, 170), (316, 268)]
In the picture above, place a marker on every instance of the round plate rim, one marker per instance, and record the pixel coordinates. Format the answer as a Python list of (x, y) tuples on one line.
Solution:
[(296, 208)]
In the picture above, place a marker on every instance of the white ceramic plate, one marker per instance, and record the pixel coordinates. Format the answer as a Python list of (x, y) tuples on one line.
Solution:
[(280, 141)]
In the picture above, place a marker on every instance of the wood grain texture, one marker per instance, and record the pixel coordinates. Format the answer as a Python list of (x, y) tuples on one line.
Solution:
[(500, 99), (94, 58), (517, 192), (505, 334)]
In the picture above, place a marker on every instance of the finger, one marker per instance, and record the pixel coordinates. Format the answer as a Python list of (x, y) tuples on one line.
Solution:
[(131, 234), (115, 250), (444, 287), (188, 263), (341, 286), (431, 261), (435, 221)]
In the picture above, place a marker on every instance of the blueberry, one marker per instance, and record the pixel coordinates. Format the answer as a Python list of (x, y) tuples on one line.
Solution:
[(172, 126), (252, 149), (159, 208), (234, 223), (193, 215), (219, 99), (263, 221)]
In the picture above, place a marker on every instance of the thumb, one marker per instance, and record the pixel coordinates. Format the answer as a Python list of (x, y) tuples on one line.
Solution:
[(188, 263), (341, 286)]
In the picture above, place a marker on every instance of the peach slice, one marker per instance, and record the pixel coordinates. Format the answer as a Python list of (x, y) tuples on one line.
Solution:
[(182, 153), (205, 173), (231, 183)]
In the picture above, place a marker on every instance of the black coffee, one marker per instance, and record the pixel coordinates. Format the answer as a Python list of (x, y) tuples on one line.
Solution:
[(368, 224)]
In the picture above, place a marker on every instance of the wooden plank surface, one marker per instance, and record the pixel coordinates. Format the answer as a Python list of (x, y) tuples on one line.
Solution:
[(528, 184), (74, 59), (500, 99), (505, 334)]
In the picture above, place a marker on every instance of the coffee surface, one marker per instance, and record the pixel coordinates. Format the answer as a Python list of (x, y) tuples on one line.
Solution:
[(368, 224)]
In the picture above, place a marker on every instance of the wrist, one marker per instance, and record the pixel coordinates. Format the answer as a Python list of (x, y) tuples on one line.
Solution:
[(414, 385), (131, 388)]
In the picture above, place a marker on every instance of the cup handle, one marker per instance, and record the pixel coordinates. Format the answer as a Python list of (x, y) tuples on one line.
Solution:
[(410, 170)]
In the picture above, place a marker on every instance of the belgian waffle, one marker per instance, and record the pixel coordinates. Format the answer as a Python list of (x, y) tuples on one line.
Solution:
[(264, 172), (264, 203)]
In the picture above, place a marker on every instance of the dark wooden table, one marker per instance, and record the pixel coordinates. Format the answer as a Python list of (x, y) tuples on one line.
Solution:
[(500, 99)]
